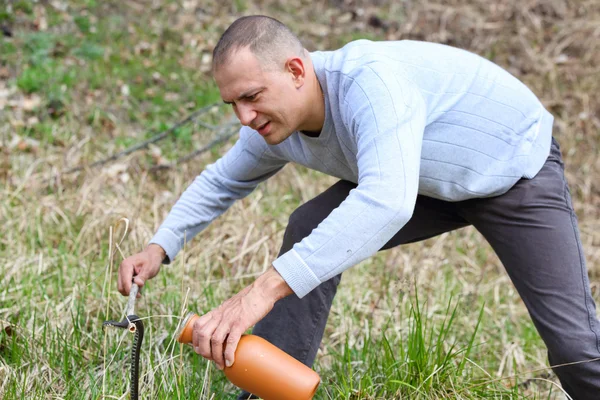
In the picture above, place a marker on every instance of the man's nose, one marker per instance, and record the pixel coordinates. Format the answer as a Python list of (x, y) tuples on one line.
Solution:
[(245, 114)]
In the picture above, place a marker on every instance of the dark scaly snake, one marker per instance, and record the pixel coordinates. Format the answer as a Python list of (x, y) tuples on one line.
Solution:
[(133, 324)]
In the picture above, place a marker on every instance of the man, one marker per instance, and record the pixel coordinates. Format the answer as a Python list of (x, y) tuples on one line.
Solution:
[(425, 139)]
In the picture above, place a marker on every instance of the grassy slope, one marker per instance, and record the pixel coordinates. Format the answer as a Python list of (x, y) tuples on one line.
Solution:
[(80, 80)]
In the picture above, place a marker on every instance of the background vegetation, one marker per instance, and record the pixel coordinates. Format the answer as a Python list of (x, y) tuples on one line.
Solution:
[(83, 79)]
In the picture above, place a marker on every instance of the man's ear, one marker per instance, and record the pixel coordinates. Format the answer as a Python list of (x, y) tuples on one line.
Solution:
[(295, 66)]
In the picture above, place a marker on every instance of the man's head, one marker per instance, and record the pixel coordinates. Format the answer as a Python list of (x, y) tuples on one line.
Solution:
[(263, 70)]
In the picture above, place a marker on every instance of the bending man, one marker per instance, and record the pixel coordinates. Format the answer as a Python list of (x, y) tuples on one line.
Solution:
[(425, 139)]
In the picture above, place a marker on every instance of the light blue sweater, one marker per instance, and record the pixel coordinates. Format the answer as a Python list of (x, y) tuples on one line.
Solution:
[(401, 118)]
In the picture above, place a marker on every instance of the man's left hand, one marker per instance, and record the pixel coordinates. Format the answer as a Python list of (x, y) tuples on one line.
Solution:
[(217, 333)]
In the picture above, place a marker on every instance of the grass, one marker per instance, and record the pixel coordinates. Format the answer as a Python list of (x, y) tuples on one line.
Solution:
[(80, 80), (422, 362)]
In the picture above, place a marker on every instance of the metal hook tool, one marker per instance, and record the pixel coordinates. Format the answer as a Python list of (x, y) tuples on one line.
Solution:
[(133, 324)]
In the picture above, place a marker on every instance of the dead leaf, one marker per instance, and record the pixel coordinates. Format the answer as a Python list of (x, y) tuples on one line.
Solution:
[(41, 24), (108, 124), (189, 60), (190, 5), (23, 144), (561, 59), (170, 96), (155, 151), (60, 5), (143, 48), (4, 94), (118, 171), (30, 103), (157, 78), (114, 170), (16, 123)]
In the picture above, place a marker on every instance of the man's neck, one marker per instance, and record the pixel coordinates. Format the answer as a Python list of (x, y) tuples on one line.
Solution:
[(316, 114), (311, 134)]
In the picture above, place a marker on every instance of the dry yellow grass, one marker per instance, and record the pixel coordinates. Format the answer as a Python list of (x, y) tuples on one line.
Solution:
[(53, 247)]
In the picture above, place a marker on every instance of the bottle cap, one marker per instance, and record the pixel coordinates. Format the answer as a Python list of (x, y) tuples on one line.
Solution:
[(183, 334)]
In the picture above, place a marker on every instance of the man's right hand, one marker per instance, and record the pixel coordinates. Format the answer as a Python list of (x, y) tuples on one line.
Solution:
[(140, 267)]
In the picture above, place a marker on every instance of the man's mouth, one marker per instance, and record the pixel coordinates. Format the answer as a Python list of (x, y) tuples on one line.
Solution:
[(264, 128)]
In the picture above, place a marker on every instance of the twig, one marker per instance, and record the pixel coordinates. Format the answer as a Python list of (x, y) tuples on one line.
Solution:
[(147, 142), (219, 139)]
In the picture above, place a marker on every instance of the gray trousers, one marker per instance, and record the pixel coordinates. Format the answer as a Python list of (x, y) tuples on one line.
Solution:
[(533, 230)]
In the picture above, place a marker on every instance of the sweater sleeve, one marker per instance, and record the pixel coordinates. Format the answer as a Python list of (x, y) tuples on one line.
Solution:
[(386, 117), (232, 177)]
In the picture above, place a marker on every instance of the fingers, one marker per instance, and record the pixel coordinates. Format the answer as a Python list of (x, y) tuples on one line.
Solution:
[(137, 268), (231, 345), (216, 342), (140, 279), (125, 275), (145, 269), (216, 335), (209, 337), (202, 335)]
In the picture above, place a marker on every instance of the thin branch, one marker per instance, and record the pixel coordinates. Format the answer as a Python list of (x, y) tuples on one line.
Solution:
[(219, 139), (147, 142)]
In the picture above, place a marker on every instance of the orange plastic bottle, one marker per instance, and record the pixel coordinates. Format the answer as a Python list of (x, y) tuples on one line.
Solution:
[(263, 369)]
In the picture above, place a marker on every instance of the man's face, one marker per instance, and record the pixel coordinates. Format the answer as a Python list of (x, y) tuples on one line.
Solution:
[(263, 99)]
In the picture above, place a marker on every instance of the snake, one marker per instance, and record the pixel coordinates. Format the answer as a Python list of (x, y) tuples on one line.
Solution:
[(133, 324)]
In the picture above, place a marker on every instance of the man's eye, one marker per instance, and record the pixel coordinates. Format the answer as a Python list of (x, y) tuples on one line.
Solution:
[(252, 97)]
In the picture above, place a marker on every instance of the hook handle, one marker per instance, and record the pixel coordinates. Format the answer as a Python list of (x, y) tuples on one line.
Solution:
[(130, 309)]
